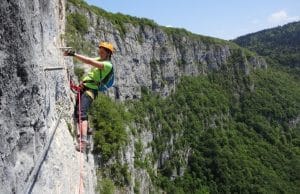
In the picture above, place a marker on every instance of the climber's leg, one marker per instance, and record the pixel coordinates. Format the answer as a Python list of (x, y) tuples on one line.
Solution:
[(85, 103)]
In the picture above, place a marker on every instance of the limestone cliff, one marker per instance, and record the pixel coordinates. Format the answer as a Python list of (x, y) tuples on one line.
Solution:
[(153, 56), (32, 99)]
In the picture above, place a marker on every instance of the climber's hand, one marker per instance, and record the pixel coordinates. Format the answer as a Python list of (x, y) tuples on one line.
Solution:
[(69, 52)]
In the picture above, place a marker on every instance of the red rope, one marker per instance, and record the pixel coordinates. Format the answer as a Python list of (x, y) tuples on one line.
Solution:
[(80, 143), (77, 89), (74, 87)]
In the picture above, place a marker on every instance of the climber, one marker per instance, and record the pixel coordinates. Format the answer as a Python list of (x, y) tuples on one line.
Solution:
[(90, 84)]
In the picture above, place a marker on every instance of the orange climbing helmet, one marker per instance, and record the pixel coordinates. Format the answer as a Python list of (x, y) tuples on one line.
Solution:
[(107, 45)]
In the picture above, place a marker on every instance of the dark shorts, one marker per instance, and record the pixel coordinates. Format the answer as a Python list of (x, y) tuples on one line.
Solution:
[(85, 102)]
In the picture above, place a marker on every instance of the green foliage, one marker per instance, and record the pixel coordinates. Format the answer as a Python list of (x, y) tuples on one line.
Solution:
[(79, 72), (178, 33), (76, 27), (77, 21), (282, 44), (136, 188), (109, 120), (79, 3), (118, 20), (118, 173), (275, 97), (139, 161), (236, 127), (138, 149), (106, 186)]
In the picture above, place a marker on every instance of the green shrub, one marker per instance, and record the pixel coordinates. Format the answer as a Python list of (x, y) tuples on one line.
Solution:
[(78, 21), (79, 72), (109, 120), (120, 174), (106, 186), (76, 26), (79, 3), (136, 188)]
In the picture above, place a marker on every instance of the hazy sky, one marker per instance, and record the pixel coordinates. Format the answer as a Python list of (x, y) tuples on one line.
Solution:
[(226, 19)]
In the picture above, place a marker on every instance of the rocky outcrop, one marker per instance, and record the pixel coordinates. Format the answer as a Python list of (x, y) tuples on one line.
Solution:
[(150, 57), (32, 98)]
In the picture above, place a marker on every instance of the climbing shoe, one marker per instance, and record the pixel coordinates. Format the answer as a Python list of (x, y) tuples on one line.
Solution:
[(90, 131), (82, 143)]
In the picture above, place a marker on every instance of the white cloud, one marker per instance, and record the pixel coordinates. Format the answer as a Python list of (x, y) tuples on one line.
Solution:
[(281, 17)]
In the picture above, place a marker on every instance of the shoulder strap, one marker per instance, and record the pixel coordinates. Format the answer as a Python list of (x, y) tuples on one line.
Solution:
[(107, 77)]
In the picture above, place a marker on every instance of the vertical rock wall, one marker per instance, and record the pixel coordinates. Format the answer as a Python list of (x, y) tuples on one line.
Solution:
[(150, 57), (32, 97)]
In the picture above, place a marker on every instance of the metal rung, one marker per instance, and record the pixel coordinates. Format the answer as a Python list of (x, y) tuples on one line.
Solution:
[(65, 47), (53, 68)]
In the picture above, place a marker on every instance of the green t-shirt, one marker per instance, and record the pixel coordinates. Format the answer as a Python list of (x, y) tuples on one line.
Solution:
[(93, 78)]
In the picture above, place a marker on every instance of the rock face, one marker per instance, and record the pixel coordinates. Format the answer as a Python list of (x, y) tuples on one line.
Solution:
[(148, 56), (31, 98)]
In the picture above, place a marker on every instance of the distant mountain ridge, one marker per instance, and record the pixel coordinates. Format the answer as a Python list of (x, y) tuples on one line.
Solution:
[(282, 44)]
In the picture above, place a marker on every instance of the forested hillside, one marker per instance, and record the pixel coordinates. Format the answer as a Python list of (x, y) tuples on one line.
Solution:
[(281, 45), (240, 135), (231, 126), (216, 138)]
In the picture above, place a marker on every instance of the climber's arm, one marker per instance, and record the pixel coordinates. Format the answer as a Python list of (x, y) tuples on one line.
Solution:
[(90, 61), (84, 59)]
